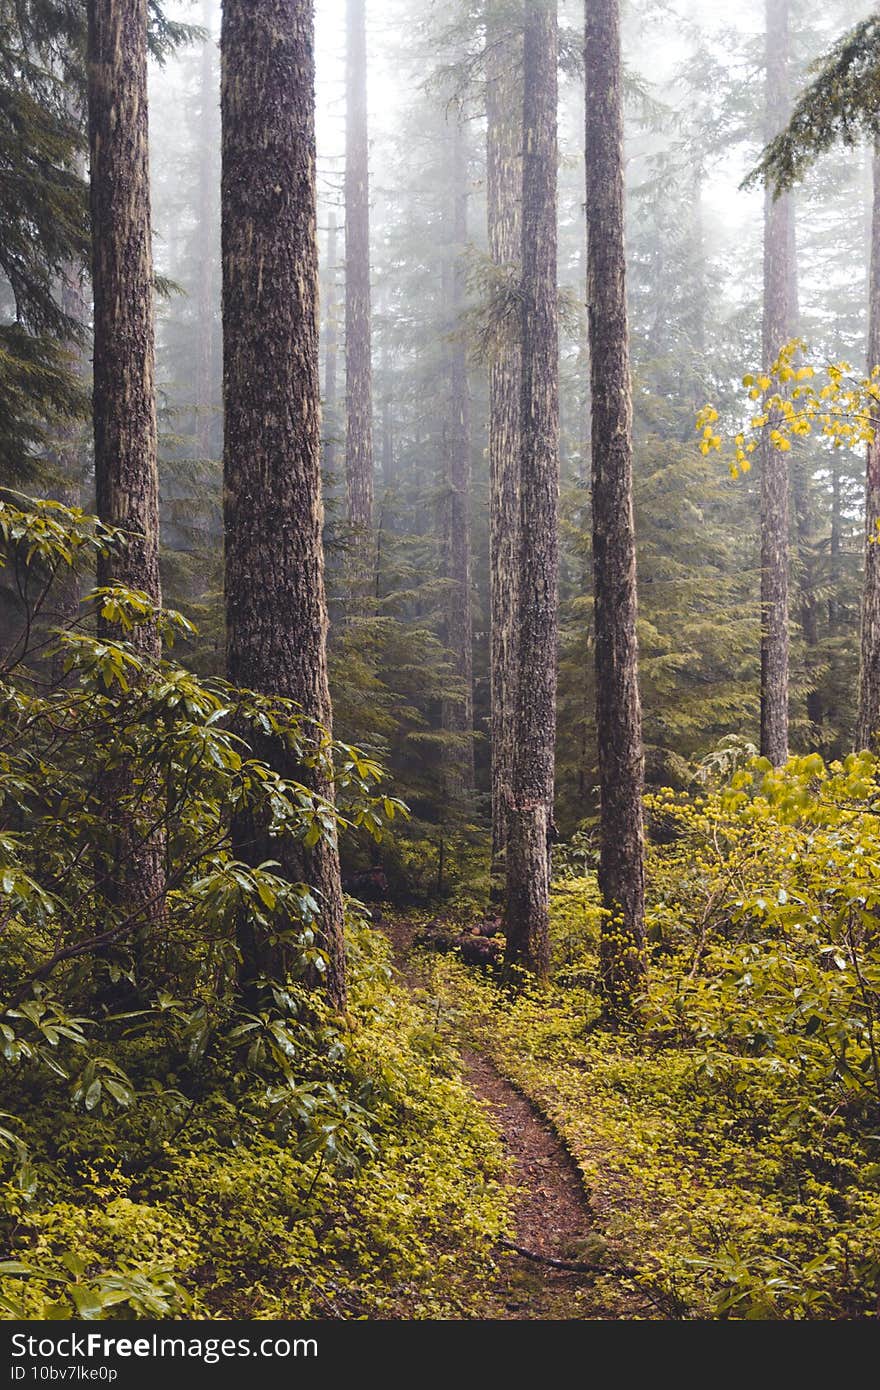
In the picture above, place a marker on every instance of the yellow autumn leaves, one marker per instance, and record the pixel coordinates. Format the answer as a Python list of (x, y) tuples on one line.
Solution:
[(796, 401)]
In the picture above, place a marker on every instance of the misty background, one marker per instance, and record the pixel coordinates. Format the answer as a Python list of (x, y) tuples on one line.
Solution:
[(694, 99)]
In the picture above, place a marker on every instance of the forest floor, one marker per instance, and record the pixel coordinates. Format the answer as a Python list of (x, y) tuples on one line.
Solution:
[(552, 1212)]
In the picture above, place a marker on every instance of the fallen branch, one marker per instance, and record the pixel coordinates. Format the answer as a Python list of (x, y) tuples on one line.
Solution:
[(669, 1306), (573, 1266)]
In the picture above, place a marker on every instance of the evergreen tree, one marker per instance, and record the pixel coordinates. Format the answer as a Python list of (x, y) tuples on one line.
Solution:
[(841, 105), (358, 322), (778, 328), (276, 615), (123, 399), (206, 372), (43, 228), (124, 404), (68, 456), (868, 725), (456, 497), (618, 707), (530, 815), (331, 351), (185, 130), (503, 185)]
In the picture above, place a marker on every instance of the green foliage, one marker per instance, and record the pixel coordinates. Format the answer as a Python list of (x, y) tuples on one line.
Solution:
[(38, 393), (698, 622), (165, 36), (114, 1259), (43, 226), (174, 749), (44, 230), (732, 1129), (841, 104), (167, 1148), (390, 674), (380, 1196)]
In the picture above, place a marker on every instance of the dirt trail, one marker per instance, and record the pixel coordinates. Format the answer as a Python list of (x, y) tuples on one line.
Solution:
[(552, 1213)]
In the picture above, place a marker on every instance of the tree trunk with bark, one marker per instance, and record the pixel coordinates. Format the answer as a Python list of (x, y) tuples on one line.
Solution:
[(618, 705), (206, 285), (331, 353), (869, 673), (802, 496), (804, 517), (126, 476), (777, 330), (530, 815), (358, 359), (68, 459), (835, 545), (276, 615), (457, 713), (388, 469), (504, 107), (124, 406)]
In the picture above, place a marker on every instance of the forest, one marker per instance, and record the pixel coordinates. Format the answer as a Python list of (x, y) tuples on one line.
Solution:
[(439, 661)]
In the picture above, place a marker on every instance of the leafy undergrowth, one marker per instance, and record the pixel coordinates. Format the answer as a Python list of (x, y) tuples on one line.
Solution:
[(729, 1138), (393, 1215), (187, 1126)]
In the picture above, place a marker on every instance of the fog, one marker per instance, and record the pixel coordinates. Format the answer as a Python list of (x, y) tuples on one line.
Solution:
[(694, 129), (407, 42)]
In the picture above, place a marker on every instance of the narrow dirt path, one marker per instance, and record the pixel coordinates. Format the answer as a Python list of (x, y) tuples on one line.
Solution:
[(552, 1213)]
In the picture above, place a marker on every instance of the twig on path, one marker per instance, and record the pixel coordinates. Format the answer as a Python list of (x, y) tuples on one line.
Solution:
[(573, 1266), (669, 1305)]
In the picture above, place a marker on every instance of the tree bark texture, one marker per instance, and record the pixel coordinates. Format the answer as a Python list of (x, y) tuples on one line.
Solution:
[(68, 459), (869, 673), (388, 469), (124, 406), (331, 352), (802, 496), (835, 544), (777, 330), (804, 516), (530, 819), (126, 477), (618, 704), (458, 713), (358, 359), (276, 615), (206, 285), (504, 107)]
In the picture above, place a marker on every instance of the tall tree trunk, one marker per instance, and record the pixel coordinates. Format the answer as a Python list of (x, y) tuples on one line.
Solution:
[(388, 469), (804, 518), (869, 675), (777, 329), (331, 352), (126, 477), (69, 451), (808, 603), (701, 297), (530, 818), (618, 706), (504, 107), (835, 546), (458, 714), (587, 742), (124, 406), (68, 460), (205, 289), (358, 360), (276, 615)]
